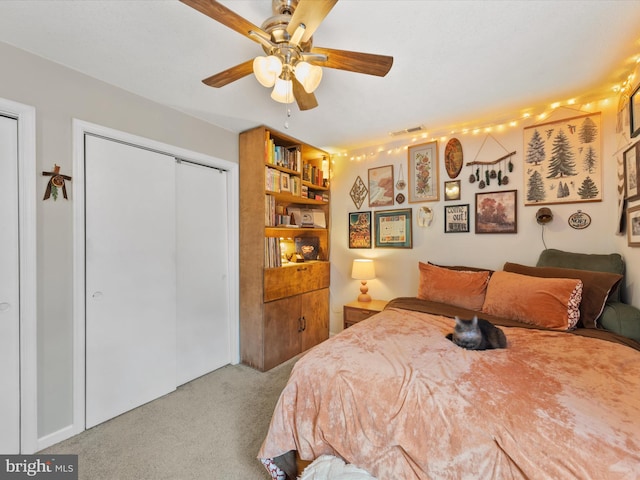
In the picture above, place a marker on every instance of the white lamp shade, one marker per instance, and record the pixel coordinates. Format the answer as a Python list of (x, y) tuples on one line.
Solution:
[(283, 91), (267, 70), (363, 269), (308, 75)]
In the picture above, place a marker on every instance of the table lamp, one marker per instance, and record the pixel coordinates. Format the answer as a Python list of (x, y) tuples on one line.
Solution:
[(363, 270)]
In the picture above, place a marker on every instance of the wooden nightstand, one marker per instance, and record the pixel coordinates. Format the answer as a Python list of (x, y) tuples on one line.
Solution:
[(355, 312)]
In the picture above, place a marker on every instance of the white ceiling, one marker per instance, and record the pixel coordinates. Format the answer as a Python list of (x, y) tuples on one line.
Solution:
[(455, 62)]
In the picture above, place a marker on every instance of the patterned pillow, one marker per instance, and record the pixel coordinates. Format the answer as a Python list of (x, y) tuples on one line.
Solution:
[(461, 288), (552, 303)]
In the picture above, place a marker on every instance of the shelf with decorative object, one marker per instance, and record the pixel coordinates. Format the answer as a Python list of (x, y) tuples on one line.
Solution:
[(284, 247)]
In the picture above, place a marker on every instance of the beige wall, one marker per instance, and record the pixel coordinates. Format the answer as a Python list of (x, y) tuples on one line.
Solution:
[(397, 269), (60, 95)]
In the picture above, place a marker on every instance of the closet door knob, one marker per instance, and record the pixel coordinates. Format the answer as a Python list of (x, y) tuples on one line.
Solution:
[(97, 295)]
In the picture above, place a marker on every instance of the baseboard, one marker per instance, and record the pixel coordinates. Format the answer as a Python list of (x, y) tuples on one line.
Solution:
[(56, 437)]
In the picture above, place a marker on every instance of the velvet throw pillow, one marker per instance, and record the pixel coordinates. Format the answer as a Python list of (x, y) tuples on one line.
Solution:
[(460, 288), (545, 302), (596, 287)]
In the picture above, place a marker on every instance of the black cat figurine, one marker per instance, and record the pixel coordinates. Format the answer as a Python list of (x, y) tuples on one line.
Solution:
[(477, 334)]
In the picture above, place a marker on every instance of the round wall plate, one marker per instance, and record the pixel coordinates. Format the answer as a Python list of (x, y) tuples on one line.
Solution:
[(579, 220), (453, 157)]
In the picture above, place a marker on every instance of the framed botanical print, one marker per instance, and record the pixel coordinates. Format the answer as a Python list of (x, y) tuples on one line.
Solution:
[(393, 228), (631, 156), (423, 173), (381, 186), (563, 161), (360, 230), (496, 212), (456, 218)]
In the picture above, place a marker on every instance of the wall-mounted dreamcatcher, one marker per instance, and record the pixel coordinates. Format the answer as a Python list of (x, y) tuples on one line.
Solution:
[(494, 171)]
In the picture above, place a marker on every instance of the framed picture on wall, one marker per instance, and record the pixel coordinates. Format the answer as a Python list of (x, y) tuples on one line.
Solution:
[(360, 230), (452, 190), (496, 212), (631, 190), (634, 112), (393, 229), (423, 173), (456, 218), (633, 226), (381, 186)]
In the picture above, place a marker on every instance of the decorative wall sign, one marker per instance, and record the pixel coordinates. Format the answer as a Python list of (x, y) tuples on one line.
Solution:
[(579, 220), (360, 230), (358, 192), (453, 158), (456, 218), (563, 161), (393, 228), (400, 198), (496, 212), (381, 186), (423, 173)]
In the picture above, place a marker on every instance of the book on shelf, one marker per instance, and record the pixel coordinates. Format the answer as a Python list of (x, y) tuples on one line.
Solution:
[(288, 157), (272, 252)]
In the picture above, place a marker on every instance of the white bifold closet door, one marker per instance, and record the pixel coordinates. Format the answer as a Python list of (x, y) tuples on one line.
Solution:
[(9, 289), (157, 312), (130, 277), (202, 271)]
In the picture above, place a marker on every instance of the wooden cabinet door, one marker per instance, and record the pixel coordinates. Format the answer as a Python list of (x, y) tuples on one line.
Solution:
[(315, 313), (282, 328)]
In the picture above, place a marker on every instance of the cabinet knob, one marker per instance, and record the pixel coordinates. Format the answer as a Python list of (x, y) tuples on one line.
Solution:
[(4, 306)]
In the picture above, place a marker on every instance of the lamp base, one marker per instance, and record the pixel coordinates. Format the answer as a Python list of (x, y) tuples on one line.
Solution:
[(364, 298)]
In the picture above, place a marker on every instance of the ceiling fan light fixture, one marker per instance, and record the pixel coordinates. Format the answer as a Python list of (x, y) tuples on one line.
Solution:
[(267, 70), (283, 91), (308, 75)]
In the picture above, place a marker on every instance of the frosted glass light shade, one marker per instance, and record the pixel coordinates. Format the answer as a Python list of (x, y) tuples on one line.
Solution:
[(267, 70), (308, 75), (283, 91)]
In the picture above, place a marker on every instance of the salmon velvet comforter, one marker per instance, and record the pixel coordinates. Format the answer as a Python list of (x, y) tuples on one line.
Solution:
[(394, 397)]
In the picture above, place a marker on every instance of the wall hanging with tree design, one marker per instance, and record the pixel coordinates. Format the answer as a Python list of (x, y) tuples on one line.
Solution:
[(563, 161)]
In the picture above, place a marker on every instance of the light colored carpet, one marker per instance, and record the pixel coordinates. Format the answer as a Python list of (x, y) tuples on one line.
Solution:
[(210, 428)]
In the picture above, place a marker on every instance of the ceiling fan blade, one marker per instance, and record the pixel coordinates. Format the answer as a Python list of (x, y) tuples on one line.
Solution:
[(306, 101), (227, 17), (368, 63), (230, 75), (310, 13)]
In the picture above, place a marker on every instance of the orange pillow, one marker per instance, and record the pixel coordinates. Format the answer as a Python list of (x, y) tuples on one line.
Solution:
[(545, 302), (464, 289)]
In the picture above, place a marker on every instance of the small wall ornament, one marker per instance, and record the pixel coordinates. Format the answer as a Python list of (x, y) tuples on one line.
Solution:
[(579, 220), (55, 182)]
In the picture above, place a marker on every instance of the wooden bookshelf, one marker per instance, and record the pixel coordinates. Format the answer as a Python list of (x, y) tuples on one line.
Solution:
[(284, 305)]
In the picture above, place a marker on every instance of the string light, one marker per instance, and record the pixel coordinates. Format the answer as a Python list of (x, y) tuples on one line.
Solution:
[(391, 148)]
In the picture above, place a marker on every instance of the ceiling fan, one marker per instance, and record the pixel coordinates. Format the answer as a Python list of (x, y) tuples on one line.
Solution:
[(292, 65)]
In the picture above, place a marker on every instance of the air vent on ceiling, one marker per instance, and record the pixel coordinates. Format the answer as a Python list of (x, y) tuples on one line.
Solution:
[(419, 128)]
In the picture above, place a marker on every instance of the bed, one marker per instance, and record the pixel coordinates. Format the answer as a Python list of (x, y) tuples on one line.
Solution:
[(394, 397)]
